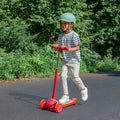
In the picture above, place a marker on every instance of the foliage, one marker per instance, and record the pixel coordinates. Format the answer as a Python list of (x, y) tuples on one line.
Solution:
[(97, 22), (43, 63), (16, 65), (106, 19), (90, 58), (26, 28), (108, 62), (43, 17), (94, 63), (14, 36)]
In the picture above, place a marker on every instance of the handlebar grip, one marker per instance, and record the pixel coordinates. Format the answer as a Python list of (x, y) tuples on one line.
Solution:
[(65, 48)]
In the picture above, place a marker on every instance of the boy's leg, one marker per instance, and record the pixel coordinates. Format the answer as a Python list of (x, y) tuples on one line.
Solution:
[(78, 81), (64, 71), (75, 66)]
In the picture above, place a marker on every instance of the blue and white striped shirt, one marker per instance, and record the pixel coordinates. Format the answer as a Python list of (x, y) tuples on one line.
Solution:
[(70, 40)]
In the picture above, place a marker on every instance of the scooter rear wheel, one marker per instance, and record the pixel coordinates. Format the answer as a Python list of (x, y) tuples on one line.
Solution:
[(58, 107), (42, 104), (74, 101)]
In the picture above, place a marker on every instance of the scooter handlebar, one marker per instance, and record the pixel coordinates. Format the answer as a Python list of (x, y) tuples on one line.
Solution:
[(58, 48), (66, 48)]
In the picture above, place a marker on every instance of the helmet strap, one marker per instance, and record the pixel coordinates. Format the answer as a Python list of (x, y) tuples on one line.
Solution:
[(67, 31)]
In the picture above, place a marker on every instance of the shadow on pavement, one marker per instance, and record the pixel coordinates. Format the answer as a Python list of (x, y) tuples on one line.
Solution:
[(27, 98), (112, 73)]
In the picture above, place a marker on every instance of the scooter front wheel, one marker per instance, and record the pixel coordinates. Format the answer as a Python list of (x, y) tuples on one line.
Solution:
[(58, 107), (42, 104)]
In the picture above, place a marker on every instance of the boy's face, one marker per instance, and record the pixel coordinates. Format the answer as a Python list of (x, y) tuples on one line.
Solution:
[(66, 26)]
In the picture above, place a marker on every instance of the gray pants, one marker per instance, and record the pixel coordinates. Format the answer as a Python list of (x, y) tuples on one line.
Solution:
[(74, 67)]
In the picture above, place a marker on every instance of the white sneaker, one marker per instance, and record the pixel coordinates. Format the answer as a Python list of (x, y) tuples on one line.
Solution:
[(64, 99), (84, 94)]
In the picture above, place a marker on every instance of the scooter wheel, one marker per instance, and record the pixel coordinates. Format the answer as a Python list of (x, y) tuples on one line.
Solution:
[(42, 104), (58, 107), (74, 101)]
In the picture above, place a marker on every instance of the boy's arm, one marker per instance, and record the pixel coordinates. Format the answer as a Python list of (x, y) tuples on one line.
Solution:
[(54, 45), (76, 48)]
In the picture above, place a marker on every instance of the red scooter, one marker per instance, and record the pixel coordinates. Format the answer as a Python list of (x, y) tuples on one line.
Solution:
[(52, 103)]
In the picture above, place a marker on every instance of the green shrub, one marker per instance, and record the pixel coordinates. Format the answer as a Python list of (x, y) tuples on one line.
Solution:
[(90, 58), (92, 62), (26, 28), (43, 63), (14, 66), (106, 22), (14, 36), (108, 63), (19, 65)]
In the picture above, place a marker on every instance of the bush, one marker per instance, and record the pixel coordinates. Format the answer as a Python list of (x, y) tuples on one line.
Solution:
[(19, 65), (43, 63), (106, 22), (90, 58), (108, 63), (92, 62), (14, 36), (26, 28), (14, 65)]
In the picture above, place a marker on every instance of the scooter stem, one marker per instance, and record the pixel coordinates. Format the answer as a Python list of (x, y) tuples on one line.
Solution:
[(55, 81), (55, 84)]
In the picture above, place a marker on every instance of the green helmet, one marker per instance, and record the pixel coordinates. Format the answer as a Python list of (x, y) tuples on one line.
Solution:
[(68, 17)]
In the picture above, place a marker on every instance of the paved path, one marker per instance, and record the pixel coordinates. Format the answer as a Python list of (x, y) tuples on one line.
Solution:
[(20, 100)]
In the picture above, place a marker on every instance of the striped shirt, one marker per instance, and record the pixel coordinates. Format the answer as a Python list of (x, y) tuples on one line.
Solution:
[(70, 40)]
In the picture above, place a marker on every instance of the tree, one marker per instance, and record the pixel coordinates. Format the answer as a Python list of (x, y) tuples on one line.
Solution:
[(106, 26)]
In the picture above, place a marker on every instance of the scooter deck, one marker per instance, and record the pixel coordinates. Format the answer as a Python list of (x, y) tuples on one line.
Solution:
[(73, 101)]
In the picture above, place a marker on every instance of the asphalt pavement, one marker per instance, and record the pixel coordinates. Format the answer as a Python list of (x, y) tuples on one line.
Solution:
[(20, 100)]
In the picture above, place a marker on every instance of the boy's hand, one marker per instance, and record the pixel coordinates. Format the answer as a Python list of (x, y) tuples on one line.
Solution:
[(58, 48), (64, 47), (52, 46)]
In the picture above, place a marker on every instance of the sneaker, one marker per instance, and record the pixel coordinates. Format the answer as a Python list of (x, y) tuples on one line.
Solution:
[(84, 94), (64, 99)]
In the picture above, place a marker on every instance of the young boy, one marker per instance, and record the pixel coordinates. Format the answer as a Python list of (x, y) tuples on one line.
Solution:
[(71, 56)]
